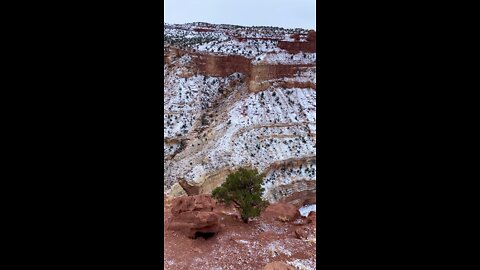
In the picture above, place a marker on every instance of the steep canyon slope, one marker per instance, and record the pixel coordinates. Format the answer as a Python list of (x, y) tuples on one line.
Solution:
[(240, 96)]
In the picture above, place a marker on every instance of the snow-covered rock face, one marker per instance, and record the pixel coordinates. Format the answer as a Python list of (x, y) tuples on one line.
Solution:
[(262, 113)]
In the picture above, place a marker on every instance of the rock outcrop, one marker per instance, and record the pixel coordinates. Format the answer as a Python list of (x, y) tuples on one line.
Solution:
[(228, 213), (220, 65), (193, 216), (305, 233), (258, 77), (281, 212), (238, 245), (296, 46)]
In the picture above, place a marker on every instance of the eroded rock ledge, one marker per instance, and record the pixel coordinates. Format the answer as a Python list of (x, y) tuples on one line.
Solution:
[(237, 98)]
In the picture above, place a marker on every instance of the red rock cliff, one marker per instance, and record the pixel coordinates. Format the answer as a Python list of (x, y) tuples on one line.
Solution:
[(294, 47), (220, 65)]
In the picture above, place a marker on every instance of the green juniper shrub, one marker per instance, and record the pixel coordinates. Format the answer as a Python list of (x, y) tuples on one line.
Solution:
[(243, 188)]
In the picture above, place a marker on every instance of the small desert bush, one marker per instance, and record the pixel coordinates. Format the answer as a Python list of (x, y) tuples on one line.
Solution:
[(243, 188)]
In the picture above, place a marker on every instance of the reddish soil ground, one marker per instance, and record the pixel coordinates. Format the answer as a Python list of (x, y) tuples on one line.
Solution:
[(239, 246)]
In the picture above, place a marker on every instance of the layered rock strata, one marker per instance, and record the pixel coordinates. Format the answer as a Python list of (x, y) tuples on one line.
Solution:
[(238, 96)]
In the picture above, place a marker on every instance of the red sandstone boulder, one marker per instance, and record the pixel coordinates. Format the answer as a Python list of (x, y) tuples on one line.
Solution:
[(193, 203), (228, 213), (194, 223), (193, 216), (282, 212), (278, 266), (305, 233)]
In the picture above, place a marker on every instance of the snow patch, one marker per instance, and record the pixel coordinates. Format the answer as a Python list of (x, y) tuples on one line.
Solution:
[(302, 264), (306, 209)]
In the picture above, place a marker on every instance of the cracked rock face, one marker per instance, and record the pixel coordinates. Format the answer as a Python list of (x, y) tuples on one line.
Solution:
[(233, 97), (193, 215)]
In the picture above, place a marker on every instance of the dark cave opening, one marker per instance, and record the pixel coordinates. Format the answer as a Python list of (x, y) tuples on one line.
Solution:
[(204, 235)]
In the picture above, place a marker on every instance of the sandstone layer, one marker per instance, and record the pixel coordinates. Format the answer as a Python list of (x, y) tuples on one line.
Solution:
[(236, 97)]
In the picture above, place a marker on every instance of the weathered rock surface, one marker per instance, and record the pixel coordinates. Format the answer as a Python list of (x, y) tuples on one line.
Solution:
[(238, 245), (202, 203), (230, 213), (305, 233), (195, 224), (282, 212), (193, 216), (278, 266)]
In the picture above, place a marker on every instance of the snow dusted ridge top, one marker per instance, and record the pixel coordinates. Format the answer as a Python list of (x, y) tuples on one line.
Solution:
[(235, 97), (252, 31), (251, 42)]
